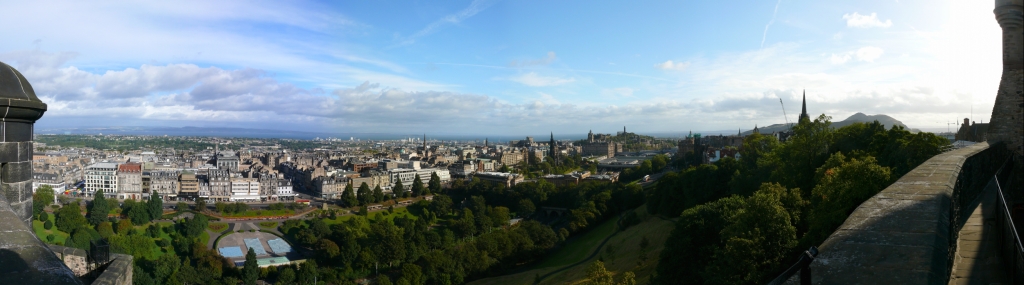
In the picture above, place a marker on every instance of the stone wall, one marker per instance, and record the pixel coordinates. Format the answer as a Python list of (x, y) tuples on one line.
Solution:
[(1008, 112), (906, 234), (118, 272), (74, 258), (24, 259)]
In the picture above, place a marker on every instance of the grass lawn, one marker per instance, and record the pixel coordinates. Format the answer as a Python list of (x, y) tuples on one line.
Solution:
[(624, 256), (41, 232), (580, 247), (268, 225), (217, 227), (398, 212)]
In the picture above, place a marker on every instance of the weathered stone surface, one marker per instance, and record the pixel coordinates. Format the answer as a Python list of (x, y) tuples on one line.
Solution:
[(24, 259), (74, 258), (907, 233), (17, 132), (119, 272), (8, 151), (16, 171)]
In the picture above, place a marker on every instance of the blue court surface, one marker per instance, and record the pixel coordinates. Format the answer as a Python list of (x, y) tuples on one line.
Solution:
[(231, 252), (279, 246), (255, 245)]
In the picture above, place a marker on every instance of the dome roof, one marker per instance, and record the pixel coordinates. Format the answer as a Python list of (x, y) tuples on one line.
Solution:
[(17, 98), (13, 85)]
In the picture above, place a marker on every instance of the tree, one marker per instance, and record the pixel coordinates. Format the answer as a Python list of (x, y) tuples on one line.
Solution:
[(250, 270), (598, 275), (308, 272), (526, 208), (194, 226), (105, 229), (42, 198), (378, 194), (843, 185), (99, 209), (123, 226), (441, 205), (137, 212), (434, 186), (417, 186), (286, 275), (388, 245), (364, 195), (413, 273), (155, 205), (383, 280), (200, 204), (69, 218), (348, 196), (181, 206), (398, 190)]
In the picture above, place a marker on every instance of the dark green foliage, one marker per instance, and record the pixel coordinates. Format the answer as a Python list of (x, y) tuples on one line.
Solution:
[(193, 227), (138, 212), (434, 186), (286, 275), (308, 272), (98, 209), (378, 194), (42, 197), (69, 218), (349, 196), (250, 270), (693, 186), (398, 189), (155, 205), (363, 195), (417, 186), (47, 225)]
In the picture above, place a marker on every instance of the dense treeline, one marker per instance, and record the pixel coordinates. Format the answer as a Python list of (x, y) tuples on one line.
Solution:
[(742, 222)]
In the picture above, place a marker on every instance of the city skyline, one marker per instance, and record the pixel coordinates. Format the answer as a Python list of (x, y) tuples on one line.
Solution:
[(491, 67)]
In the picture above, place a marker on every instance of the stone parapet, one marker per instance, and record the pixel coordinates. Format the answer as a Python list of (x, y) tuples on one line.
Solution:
[(24, 259), (118, 272), (906, 234)]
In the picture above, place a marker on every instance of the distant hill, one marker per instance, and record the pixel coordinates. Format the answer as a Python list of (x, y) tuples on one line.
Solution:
[(885, 120)]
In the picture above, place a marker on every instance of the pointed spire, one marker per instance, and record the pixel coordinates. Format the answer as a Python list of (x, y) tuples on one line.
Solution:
[(803, 110)]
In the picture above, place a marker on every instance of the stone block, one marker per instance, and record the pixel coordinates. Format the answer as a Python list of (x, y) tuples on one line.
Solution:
[(17, 132), (8, 152), (16, 171), (25, 151), (10, 194)]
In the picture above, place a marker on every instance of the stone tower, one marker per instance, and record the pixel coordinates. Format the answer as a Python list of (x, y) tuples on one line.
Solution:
[(551, 151), (1007, 123), (590, 136), (803, 111), (23, 108)]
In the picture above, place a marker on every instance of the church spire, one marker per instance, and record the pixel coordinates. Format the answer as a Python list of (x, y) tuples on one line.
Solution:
[(803, 111)]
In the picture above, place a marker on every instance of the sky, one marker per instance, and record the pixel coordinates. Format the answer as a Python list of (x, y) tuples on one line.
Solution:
[(502, 67)]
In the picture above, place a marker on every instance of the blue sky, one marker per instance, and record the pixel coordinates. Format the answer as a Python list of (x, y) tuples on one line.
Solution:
[(503, 67)]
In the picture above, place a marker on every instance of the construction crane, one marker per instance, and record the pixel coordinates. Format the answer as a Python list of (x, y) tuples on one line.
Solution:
[(783, 110)]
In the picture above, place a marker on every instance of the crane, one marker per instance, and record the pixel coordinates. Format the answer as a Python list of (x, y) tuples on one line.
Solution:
[(783, 110)]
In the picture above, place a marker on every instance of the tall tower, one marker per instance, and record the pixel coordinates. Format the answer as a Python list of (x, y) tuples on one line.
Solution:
[(803, 111), (590, 136), (1007, 123), (551, 149)]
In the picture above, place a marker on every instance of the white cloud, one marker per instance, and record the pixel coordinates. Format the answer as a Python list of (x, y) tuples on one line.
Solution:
[(669, 65), (865, 21), (840, 59), (869, 53), (532, 79)]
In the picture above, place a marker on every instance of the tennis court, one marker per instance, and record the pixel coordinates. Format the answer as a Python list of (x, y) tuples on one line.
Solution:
[(231, 252), (279, 246), (255, 245)]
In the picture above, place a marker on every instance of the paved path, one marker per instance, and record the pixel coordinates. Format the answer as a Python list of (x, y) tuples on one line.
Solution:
[(977, 256)]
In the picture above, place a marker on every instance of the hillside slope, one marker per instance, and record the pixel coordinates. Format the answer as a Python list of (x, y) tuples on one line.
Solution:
[(885, 120)]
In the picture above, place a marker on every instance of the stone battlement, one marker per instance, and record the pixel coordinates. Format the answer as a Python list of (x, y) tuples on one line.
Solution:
[(907, 233)]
